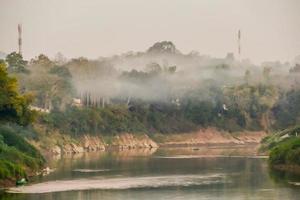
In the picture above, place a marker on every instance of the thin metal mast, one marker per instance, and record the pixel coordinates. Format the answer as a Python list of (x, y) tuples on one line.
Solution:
[(20, 38), (239, 43)]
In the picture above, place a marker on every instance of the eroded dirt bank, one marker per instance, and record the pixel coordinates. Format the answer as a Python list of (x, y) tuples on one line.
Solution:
[(55, 143), (210, 136), (63, 144)]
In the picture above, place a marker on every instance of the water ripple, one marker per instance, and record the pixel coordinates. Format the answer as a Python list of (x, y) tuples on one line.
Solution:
[(121, 183)]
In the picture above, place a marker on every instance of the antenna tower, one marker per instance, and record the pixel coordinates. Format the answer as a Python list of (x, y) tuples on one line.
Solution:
[(239, 43), (20, 38)]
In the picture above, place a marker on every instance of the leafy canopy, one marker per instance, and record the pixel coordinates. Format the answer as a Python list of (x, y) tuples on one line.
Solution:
[(16, 64), (13, 106)]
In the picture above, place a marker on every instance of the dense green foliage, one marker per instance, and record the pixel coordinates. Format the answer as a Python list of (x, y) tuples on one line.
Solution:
[(273, 139), (13, 106), (284, 146), (160, 97), (233, 109), (16, 64), (17, 156), (287, 152), (142, 92), (287, 110), (145, 117), (118, 119)]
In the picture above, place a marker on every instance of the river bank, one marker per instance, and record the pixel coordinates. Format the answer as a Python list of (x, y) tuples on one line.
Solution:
[(55, 144), (58, 143), (64, 144), (209, 136)]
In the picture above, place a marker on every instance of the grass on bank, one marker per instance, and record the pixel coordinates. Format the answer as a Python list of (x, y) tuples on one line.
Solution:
[(17, 156)]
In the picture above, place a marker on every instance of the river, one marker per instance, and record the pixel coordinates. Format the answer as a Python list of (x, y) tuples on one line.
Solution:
[(208, 172)]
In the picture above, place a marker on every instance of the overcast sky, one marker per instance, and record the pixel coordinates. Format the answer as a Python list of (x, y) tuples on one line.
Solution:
[(93, 28)]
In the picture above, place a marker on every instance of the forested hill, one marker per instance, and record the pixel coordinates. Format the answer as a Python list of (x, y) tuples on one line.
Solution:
[(159, 90)]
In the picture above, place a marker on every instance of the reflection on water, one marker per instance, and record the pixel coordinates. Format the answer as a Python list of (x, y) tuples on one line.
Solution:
[(90, 170), (285, 177), (180, 173), (208, 151)]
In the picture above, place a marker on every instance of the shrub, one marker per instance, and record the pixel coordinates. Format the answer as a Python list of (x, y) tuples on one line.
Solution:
[(286, 152), (16, 154)]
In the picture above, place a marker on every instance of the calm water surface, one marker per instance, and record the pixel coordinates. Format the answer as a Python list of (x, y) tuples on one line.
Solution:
[(174, 173)]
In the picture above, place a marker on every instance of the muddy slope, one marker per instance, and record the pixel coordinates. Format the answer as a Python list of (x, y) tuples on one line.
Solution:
[(210, 136)]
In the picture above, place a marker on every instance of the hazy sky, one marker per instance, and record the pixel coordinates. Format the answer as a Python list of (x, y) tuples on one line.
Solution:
[(93, 28)]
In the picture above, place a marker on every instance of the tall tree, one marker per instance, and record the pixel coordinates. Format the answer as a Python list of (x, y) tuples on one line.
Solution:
[(13, 106), (16, 64)]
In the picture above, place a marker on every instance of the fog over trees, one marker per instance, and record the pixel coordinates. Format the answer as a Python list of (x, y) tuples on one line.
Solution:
[(161, 85)]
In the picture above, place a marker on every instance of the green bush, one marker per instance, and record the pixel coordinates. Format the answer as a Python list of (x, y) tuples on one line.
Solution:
[(293, 156), (11, 138), (286, 152), (9, 170), (16, 155)]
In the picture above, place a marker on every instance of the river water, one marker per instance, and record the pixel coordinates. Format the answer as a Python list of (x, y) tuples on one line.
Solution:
[(210, 172)]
